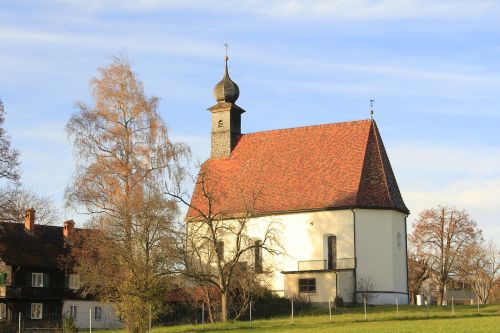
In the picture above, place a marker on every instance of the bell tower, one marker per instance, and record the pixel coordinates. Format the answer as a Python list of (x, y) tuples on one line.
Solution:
[(226, 117)]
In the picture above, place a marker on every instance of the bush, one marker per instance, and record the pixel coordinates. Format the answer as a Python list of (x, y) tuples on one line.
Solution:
[(69, 325)]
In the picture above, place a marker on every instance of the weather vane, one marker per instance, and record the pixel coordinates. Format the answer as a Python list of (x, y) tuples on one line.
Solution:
[(371, 107)]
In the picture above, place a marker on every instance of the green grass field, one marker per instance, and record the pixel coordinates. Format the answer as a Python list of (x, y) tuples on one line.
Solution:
[(379, 319)]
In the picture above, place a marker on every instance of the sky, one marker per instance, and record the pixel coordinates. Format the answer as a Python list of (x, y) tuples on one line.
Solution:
[(432, 67)]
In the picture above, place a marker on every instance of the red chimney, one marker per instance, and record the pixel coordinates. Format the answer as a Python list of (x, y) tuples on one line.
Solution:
[(29, 219), (69, 226)]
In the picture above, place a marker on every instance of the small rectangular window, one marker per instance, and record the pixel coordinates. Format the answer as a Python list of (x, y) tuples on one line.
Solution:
[(73, 311), (97, 313), (37, 280), (74, 281), (3, 279), (36, 310), (307, 285), (3, 311)]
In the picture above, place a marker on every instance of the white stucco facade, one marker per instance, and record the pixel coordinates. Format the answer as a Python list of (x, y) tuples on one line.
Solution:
[(370, 246), (85, 311)]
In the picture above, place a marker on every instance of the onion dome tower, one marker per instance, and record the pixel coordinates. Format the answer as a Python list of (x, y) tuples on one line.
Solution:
[(226, 117)]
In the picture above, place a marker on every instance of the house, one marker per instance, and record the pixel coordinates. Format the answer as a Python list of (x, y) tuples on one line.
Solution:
[(333, 190), (32, 284)]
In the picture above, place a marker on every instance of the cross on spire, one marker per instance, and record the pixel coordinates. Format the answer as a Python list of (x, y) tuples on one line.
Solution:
[(226, 45)]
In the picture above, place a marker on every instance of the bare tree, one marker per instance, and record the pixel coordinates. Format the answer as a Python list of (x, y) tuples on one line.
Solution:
[(419, 270), (122, 155), (15, 201), (479, 266), (219, 253), (9, 157), (444, 233), (366, 287)]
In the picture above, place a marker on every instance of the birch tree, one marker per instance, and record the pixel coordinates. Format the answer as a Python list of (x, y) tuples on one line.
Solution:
[(122, 155), (9, 157)]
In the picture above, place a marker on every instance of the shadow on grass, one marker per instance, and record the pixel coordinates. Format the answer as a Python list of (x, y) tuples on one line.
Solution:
[(344, 318)]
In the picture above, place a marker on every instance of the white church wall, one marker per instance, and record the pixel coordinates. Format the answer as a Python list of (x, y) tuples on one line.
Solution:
[(304, 238), (399, 253), (379, 259)]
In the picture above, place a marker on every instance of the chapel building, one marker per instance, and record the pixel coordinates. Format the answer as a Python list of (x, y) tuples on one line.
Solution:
[(332, 189)]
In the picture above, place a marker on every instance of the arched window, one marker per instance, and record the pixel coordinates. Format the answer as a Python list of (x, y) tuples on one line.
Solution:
[(220, 124)]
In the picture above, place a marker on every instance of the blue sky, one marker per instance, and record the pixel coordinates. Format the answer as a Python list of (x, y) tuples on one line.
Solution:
[(433, 68)]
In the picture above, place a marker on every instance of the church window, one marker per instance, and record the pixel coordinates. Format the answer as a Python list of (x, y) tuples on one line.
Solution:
[(332, 252), (258, 256), (220, 250), (307, 285), (220, 124), (399, 240)]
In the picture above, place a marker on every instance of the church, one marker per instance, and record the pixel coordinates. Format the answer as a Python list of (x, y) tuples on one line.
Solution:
[(332, 190)]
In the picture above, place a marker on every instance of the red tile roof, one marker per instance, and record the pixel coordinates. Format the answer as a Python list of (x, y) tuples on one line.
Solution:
[(321, 167)]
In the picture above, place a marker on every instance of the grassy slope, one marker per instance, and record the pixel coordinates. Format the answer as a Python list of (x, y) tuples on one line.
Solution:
[(380, 319)]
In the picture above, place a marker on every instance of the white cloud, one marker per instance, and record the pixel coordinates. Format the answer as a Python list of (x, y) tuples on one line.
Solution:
[(358, 10), (379, 10), (454, 160), (478, 196), (467, 177), (172, 44)]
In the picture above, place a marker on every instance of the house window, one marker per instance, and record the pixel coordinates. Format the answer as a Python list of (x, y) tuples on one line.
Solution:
[(74, 281), (258, 256), (73, 310), (37, 280), (97, 313), (36, 310), (3, 311), (307, 285)]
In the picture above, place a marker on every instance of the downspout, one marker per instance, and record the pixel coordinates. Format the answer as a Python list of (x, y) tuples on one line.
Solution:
[(407, 270), (355, 257)]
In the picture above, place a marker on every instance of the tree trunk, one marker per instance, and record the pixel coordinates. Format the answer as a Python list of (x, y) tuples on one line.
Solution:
[(223, 306), (209, 305), (441, 295)]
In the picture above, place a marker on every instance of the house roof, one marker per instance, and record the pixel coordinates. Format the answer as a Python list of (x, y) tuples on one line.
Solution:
[(39, 248), (332, 166)]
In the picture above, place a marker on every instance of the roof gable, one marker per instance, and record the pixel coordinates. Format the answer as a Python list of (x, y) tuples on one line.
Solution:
[(38, 248), (307, 168)]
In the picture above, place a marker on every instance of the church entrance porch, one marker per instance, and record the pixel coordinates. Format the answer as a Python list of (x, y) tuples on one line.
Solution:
[(316, 282)]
